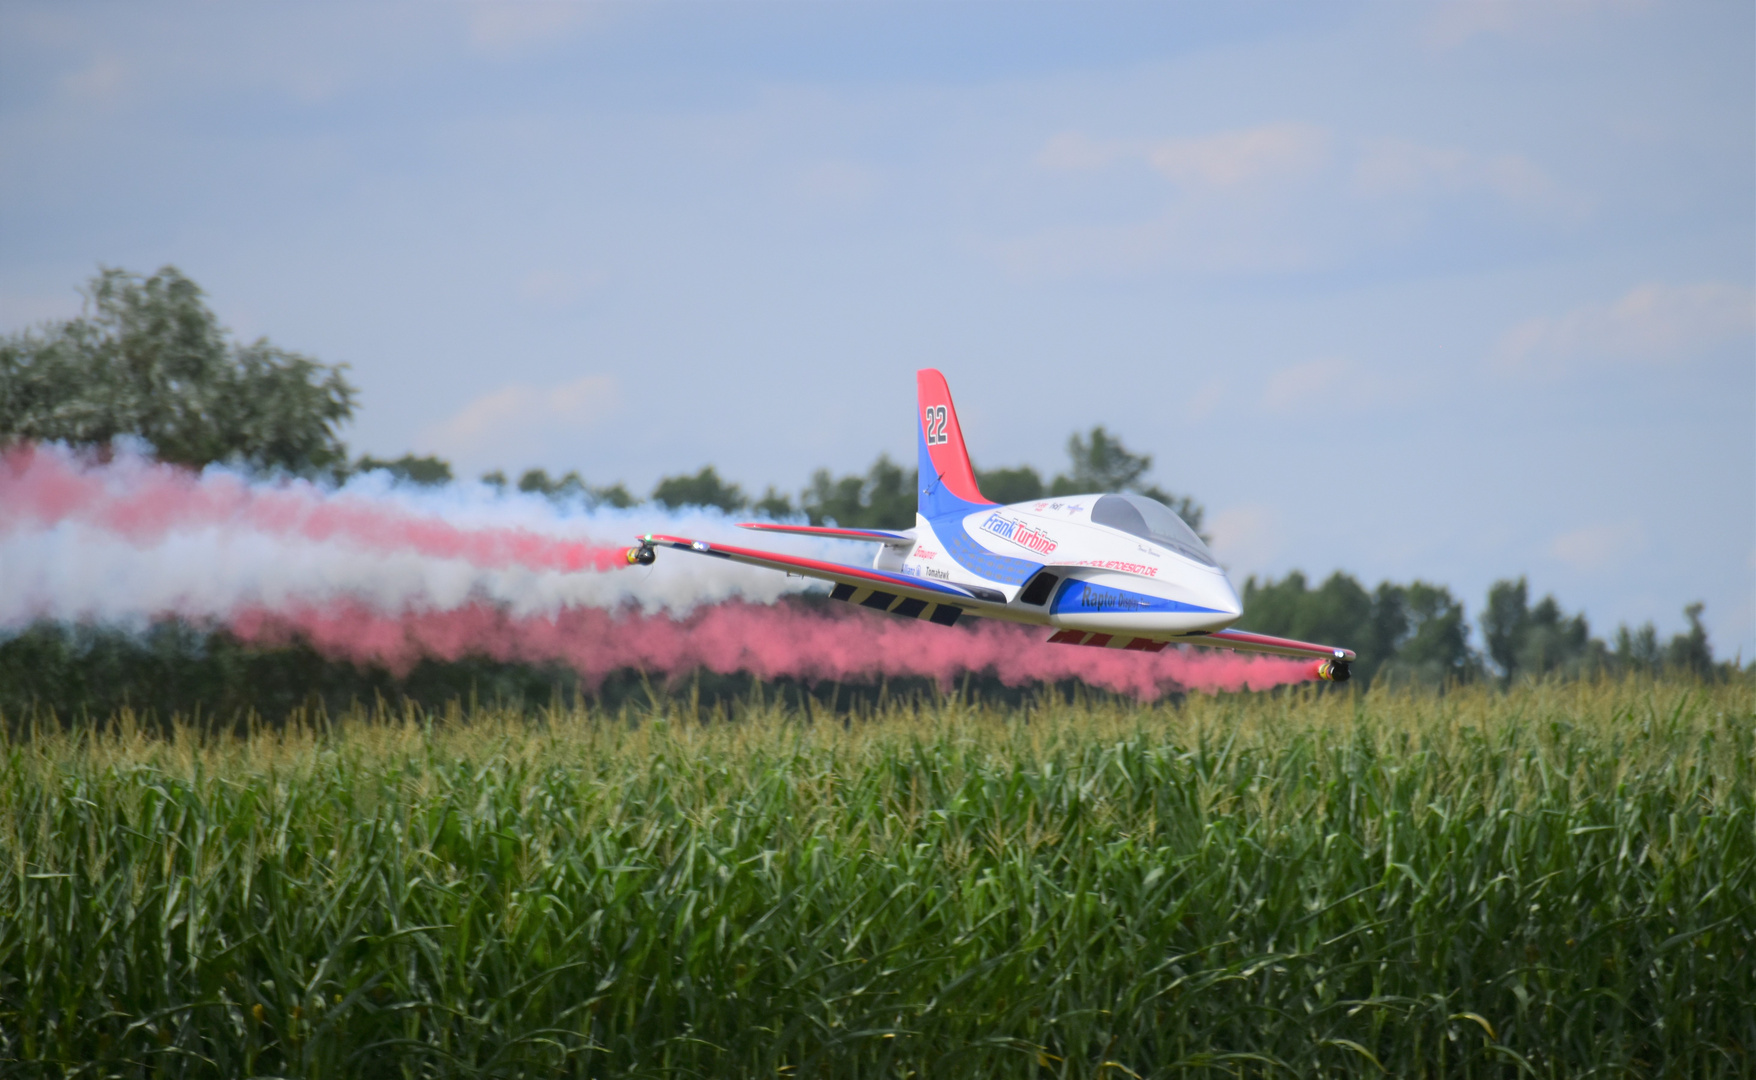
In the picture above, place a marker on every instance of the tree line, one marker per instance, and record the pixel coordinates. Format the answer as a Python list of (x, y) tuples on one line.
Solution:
[(146, 360)]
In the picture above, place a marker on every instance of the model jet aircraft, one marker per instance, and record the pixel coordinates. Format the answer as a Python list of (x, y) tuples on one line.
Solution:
[(1115, 571)]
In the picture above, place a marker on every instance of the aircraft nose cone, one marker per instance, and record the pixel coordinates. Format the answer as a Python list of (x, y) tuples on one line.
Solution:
[(1222, 597)]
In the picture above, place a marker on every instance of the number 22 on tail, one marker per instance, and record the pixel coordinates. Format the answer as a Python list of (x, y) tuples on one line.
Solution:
[(934, 415)]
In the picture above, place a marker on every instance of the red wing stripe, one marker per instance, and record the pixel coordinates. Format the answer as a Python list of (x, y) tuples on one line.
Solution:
[(825, 531), (1245, 639), (812, 567)]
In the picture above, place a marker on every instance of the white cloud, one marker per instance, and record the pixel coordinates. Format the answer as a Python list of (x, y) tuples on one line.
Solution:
[(1336, 385), (1228, 159), (510, 421), (1322, 383), (1653, 323), (559, 289), (1274, 198), (1231, 159), (1245, 537), (1453, 24), (1389, 167), (503, 28), (1204, 401), (1199, 239), (101, 80), (837, 183), (1073, 151), (1600, 547)]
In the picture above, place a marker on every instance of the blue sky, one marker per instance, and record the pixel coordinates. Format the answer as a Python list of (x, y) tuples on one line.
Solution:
[(1455, 292)]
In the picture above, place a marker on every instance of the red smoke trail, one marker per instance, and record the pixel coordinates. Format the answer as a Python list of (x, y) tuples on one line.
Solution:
[(143, 501), (767, 641)]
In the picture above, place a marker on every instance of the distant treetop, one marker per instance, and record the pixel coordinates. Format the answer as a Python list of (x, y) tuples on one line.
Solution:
[(425, 471), (148, 359)]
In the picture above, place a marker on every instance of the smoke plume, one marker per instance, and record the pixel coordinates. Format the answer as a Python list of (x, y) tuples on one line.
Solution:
[(764, 640), (375, 573)]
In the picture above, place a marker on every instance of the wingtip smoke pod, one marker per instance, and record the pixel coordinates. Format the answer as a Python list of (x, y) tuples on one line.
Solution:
[(1331, 670)]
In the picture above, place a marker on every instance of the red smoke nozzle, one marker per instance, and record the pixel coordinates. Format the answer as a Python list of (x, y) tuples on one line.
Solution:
[(1331, 670)]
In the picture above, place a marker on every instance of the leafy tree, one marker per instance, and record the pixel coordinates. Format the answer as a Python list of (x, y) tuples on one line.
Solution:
[(1338, 612), (1505, 622), (1690, 651), (885, 497), (1640, 651), (537, 482), (882, 499), (1023, 484), (1555, 642), (424, 471), (148, 359), (1536, 641), (773, 505), (1413, 632), (570, 486), (829, 501), (1101, 463), (1434, 648), (615, 495), (705, 488)]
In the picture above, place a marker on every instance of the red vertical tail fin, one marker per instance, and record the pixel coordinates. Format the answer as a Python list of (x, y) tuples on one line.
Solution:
[(947, 483)]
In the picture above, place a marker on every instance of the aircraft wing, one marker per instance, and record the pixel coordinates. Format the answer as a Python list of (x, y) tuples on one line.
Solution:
[(1245, 641), (877, 536), (886, 585)]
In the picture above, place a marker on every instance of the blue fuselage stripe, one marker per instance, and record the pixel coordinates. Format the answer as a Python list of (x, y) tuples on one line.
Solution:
[(1084, 598), (1002, 569)]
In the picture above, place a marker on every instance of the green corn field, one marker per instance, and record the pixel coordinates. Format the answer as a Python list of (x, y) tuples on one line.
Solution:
[(1558, 880)]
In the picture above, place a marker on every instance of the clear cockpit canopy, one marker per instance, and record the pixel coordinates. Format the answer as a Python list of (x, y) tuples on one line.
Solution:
[(1151, 520)]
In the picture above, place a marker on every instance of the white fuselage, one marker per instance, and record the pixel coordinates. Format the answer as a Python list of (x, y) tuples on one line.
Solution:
[(1106, 580)]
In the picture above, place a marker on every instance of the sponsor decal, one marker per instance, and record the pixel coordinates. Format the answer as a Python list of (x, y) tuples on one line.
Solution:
[(923, 553), (1111, 600), (935, 572), (1020, 533), (1115, 564)]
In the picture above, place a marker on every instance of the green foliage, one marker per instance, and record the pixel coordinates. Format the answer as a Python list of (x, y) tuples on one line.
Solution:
[(1690, 652), (1543, 640), (1418, 630), (882, 499), (1100, 463), (67, 673), (1536, 641), (148, 359), (571, 486), (773, 505), (1006, 486), (885, 497), (705, 488), (422, 471), (1434, 650), (1554, 882), (1504, 621)]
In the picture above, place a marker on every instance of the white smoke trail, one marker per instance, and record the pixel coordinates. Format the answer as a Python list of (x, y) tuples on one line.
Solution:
[(177, 555)]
